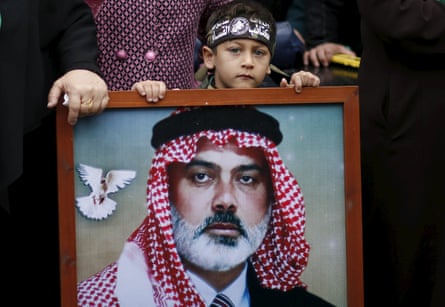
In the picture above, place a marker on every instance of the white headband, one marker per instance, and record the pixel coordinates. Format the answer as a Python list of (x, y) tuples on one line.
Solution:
[(240, 27)]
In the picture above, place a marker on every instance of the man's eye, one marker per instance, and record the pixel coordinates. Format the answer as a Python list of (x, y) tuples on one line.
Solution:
[(246, 180), (201, 177), (235, 50)]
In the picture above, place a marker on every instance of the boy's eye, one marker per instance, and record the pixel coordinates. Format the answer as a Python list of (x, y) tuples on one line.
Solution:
[(234, 50), (260, 52)]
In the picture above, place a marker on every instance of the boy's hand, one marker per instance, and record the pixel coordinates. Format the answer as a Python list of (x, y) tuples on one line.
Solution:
[(301, 79), (152, 90)]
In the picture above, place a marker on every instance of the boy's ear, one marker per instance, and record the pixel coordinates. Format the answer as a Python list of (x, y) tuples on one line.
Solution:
[(208, 57)]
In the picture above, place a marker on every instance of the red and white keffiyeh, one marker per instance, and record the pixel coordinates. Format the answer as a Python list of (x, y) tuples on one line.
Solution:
[(149, 271)]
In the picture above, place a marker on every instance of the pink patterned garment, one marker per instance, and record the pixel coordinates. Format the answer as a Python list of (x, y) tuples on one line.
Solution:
[(149, 40), (278, 262)]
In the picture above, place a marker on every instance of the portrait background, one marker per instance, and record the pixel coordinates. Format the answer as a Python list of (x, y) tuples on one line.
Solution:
[(312, 149)]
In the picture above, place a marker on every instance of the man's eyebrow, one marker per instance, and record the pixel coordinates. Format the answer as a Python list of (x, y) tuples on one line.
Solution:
[(197, 162), (251, 167), (240, 168)]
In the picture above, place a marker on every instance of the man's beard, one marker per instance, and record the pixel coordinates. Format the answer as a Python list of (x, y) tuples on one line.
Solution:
[(217, 253)]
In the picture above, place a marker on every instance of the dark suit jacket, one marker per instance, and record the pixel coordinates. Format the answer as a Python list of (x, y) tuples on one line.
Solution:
[(39, 40), (402, 119), (261, 297)]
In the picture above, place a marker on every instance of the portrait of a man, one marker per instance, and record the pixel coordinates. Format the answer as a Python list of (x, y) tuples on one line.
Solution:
[(224, 216)]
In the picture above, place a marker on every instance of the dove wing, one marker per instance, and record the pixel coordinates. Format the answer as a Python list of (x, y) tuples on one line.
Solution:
[(90, 175), (118, 179)]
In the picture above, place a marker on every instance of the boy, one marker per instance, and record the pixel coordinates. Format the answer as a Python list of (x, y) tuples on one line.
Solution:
[(239, 46), (237, 53)]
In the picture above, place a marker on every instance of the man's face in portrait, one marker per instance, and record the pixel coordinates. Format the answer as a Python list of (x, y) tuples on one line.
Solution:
[(221, 202)]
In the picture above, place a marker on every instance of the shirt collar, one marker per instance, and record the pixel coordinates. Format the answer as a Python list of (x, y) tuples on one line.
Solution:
[(236, 291)]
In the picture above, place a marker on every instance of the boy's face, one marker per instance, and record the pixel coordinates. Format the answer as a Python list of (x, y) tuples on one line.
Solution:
[(238, 63)]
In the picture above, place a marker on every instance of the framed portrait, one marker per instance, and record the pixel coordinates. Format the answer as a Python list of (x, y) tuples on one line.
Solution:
[(320, 147)]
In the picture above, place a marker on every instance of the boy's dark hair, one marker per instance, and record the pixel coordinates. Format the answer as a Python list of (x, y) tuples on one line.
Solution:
[(241, 19)]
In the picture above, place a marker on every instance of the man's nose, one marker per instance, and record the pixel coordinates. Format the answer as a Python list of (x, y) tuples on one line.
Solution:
[(225, 199)]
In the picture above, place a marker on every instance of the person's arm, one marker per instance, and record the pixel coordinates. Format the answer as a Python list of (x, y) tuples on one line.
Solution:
[(68, 31), (68, 34), (296, 16), (413, 26), (86, 93), (323, 27), (315, 22)]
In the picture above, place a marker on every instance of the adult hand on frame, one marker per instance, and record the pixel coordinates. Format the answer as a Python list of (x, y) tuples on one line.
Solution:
[(87, 93)]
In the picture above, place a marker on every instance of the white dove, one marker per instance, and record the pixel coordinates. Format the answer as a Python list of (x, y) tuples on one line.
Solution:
[(97, 205)]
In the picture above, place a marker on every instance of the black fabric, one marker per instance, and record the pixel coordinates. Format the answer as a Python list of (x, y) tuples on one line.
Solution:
[(29, 232), (36, 48), (277, 8), (297, 297), (402, 127), (216, 118), (40, 40), (335, 21)]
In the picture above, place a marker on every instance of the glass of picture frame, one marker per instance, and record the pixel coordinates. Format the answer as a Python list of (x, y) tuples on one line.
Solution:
[(321, 147)]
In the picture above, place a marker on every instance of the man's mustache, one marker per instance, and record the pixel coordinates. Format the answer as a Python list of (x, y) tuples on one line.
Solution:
[(221, 217)]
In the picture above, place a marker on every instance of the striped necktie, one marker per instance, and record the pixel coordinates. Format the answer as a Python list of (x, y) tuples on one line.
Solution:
[(221, 300)]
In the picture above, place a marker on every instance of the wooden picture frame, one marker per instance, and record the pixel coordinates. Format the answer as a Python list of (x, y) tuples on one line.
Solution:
[(326, 123)]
